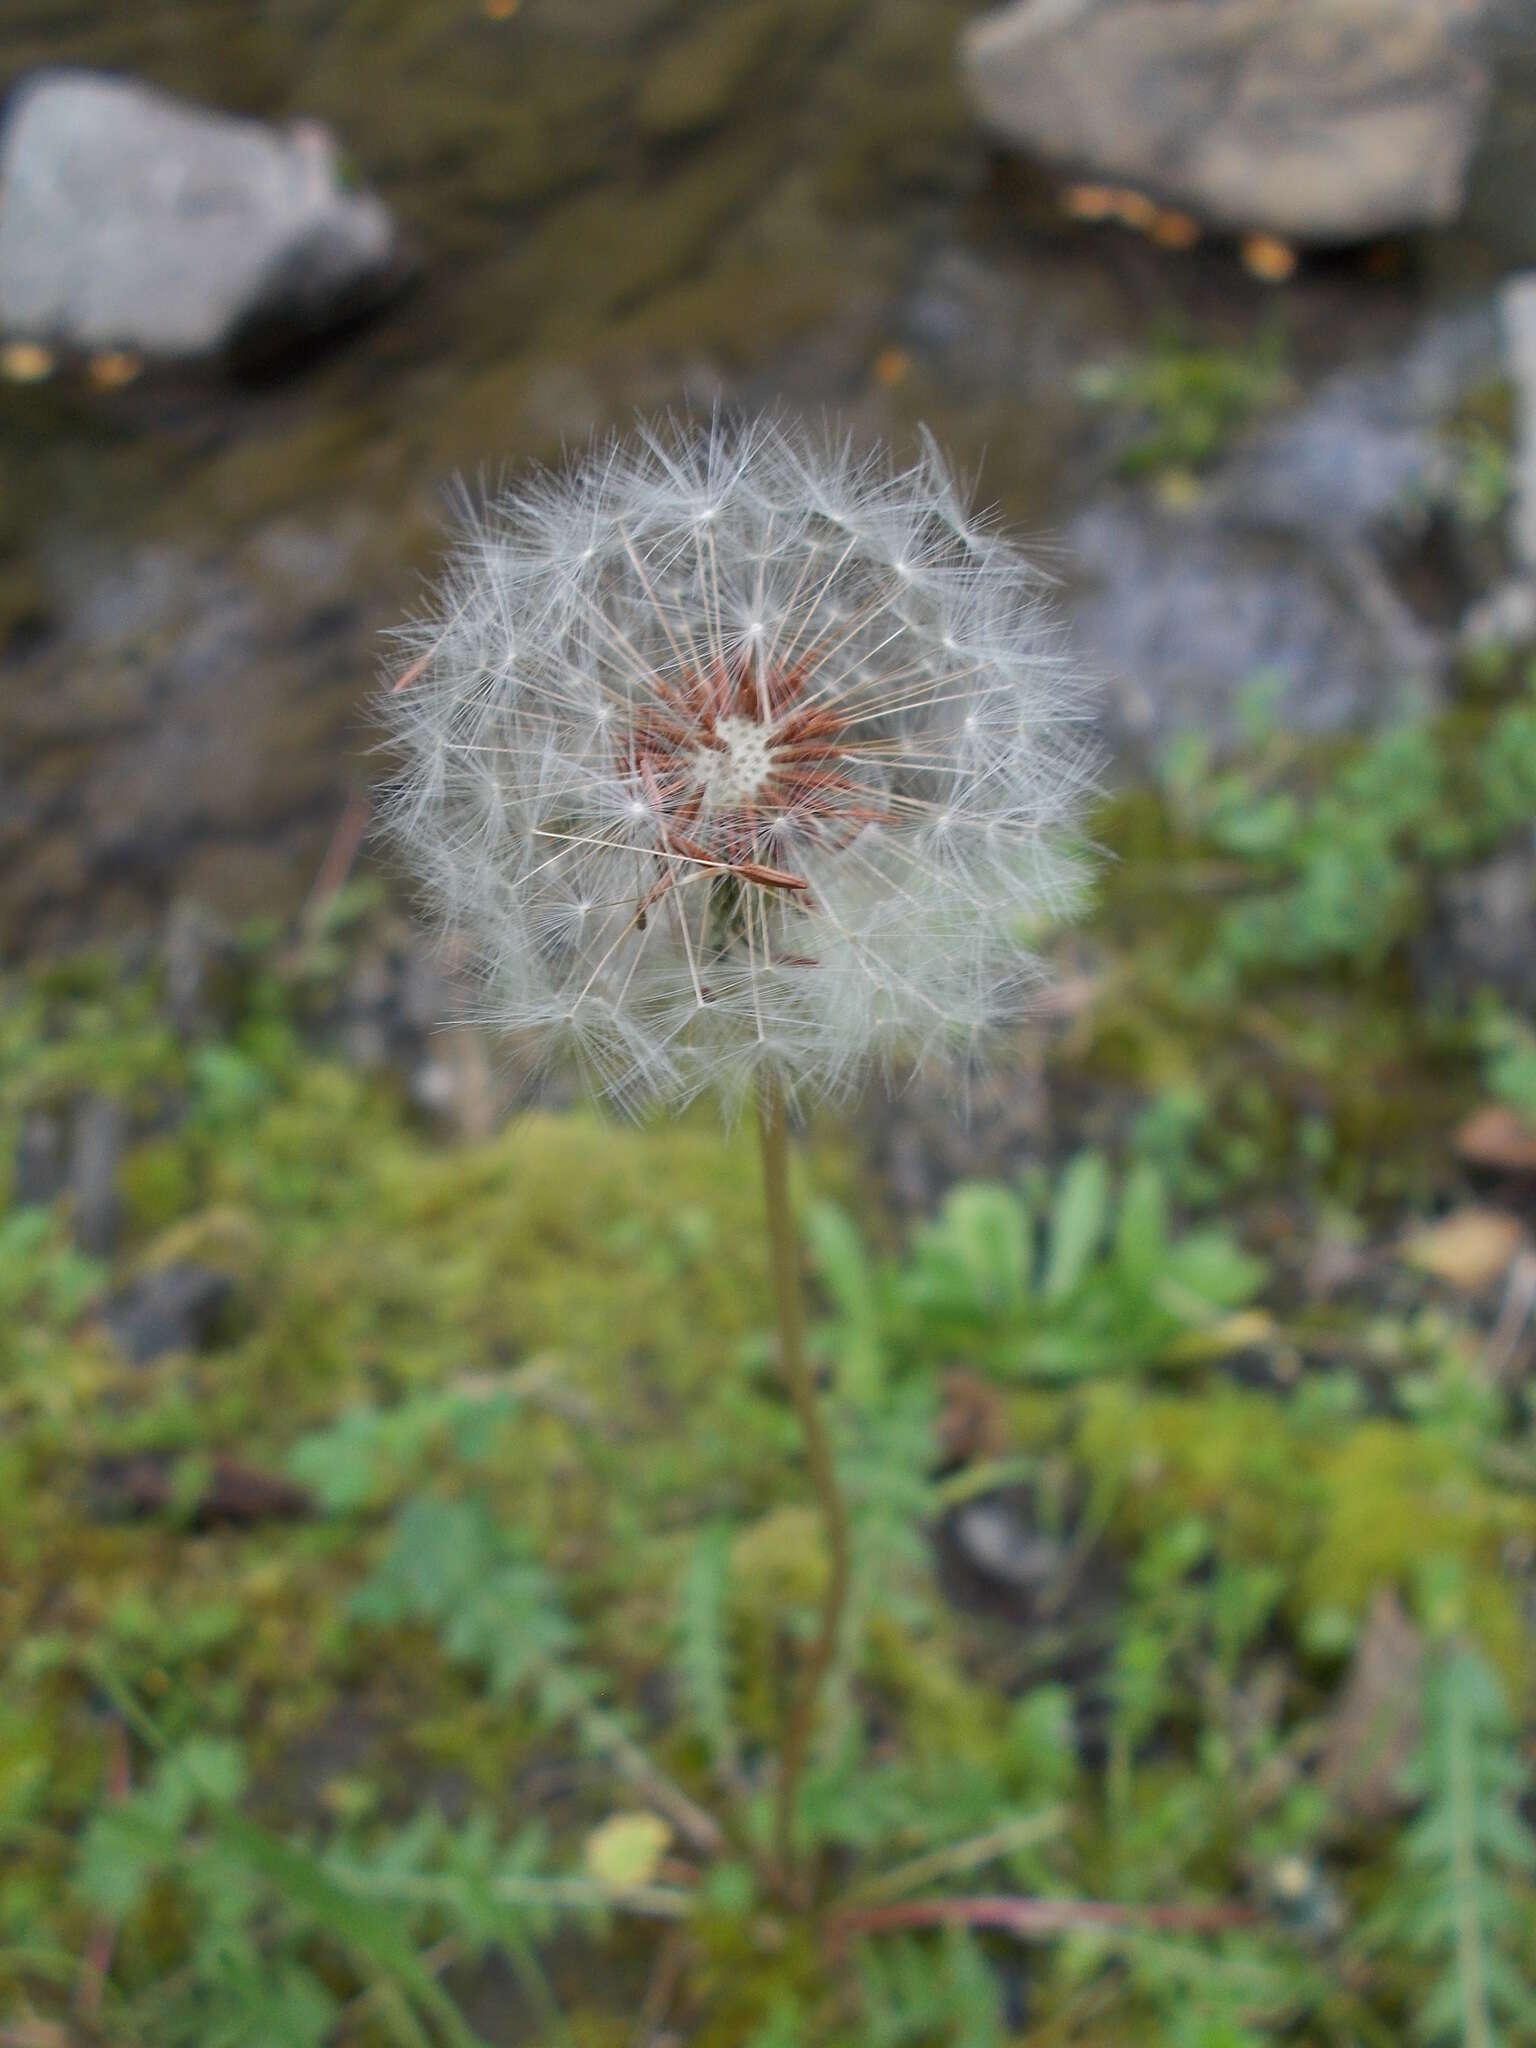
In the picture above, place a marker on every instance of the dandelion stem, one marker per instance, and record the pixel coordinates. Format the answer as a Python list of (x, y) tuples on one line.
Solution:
[(785, 1270)]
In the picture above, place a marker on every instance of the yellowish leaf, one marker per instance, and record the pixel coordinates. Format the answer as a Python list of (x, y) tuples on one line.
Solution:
[(1468, 1249), (626, 1851)]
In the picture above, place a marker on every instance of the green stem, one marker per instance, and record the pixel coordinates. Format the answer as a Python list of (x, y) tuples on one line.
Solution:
[(785, 1272)]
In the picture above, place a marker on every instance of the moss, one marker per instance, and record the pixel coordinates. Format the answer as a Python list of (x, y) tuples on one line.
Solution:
[(1345, 1512), (587, 1306), (694, 82)]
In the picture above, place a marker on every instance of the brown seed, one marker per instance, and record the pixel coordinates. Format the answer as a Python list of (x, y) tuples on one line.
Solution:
[(892, 366)]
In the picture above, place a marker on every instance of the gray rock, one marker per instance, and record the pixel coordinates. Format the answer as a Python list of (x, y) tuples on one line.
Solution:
[(1503, 617), (1318, 120), (1488, 915), (199, 961), (993, 1537), (129, 219), (1288, 564), (1518, 308), (40, 1171), (177, 1307), (95, 1155)]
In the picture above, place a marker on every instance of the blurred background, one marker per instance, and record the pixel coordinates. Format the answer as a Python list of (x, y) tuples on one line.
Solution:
[(594, 208), (1230, 308)]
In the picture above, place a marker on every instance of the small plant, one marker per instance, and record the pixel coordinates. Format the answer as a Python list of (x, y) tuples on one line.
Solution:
[(1331, 872), (1039, 1283), (1459, 1900), (1183, 403), (1508, 1047)]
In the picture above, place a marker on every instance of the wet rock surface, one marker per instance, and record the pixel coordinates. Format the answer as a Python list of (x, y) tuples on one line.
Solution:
[(131, 220), (177, 1307), (625, 206), (1322, 120), (185, 729), (1517, 305), (95, 1154), (38, 1171), (1483, 934), (1299, 559)]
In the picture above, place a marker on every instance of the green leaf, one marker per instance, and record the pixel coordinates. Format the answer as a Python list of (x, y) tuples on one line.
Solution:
[(1078, 1219), (1141, 1229), (837, 1251), (703, 1647)]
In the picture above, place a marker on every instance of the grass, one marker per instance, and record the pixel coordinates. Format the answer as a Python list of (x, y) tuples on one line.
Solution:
[(477, 1745)]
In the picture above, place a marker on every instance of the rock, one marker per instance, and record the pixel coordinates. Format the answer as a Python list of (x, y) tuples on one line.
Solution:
[(1483, 933), (95, 1154), (1295, 559), (176, 1307), (131, 220), (200, 970), (995, 1538), (39, 1172), (1317, 120), (1517, 305), (1503, 617)]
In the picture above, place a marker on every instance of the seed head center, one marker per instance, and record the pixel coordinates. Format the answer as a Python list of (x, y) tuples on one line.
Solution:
[(731, 772)]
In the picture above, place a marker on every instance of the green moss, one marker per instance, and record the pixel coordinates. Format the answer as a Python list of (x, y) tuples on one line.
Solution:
[(694, 82), (1346, 1512)]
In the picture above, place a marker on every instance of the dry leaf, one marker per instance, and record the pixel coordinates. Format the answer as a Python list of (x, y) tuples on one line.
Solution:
[(1469, 1249), (1175, 230), (1268, 258), (1497, 1136), (1248, 1330), (112, 369), (1089, 202), (25, 362), (1375, 1725), (1135, 209), (973, 1427)]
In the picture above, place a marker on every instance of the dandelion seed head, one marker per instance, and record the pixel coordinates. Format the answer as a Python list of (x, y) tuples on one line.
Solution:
[(732, 753)]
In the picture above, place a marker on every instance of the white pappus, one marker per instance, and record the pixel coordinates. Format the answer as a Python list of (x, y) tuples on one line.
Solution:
[(735, 754)]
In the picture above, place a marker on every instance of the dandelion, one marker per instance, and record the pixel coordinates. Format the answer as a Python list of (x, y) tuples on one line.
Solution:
[(740, 761)]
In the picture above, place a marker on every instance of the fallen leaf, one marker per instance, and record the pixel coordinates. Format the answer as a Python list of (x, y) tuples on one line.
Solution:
[(25, 362), (1089, 202), (112, 369), (1375, 1726), (972, 1424), (1468, 1249), (1497, 1136), (625, 1852), (1268, 258), (228, 1494), (1175, 230), (1247, 1330), (1135, 209)]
